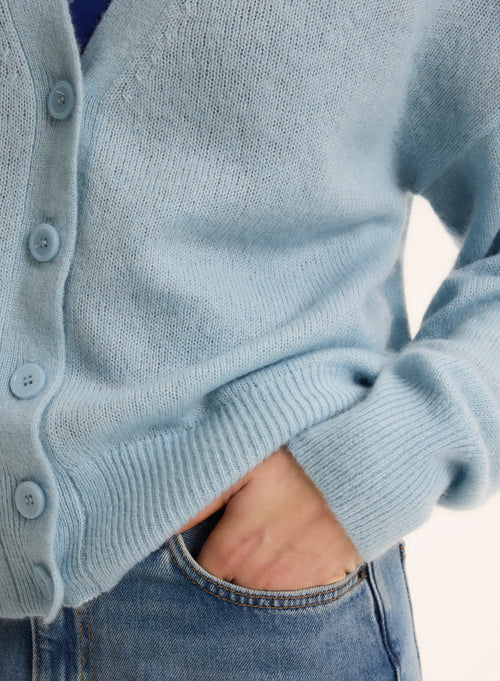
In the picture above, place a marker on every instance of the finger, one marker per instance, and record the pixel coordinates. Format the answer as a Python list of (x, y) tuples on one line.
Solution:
[(205, 513), (213, 556), (217, 503)]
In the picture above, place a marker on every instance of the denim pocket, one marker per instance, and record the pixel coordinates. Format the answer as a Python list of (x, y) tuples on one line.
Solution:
[(170, 615), (184, 547)]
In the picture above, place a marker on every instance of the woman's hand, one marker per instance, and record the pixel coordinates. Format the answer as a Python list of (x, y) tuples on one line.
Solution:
[(277, 531)]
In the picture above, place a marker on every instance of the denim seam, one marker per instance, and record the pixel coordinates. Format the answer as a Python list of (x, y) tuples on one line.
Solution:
[(37, 644), (405, 579), (263, 607), (90, 645), (239, 593), (383, 624), (81, 641)]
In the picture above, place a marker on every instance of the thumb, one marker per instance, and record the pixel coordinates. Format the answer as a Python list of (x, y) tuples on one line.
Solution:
[(215, 505)]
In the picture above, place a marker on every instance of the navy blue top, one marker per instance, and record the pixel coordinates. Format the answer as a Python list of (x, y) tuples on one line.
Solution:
[(86, 14)]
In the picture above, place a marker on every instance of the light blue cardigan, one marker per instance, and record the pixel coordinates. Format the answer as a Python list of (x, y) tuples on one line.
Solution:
[(231, 190)]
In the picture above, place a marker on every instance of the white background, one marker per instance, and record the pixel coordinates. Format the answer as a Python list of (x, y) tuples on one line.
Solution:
[(452, 560)]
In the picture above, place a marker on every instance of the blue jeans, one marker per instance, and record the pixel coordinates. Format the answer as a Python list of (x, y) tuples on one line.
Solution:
[(169, 620)]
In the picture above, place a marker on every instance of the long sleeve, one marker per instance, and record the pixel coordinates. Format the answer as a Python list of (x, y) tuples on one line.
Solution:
[(202, 218), (427, 430)]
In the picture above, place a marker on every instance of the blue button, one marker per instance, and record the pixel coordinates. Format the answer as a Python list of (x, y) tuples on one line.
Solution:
[(30, 499), (44, 242), (27, 381), (43, 581), (61, 100)]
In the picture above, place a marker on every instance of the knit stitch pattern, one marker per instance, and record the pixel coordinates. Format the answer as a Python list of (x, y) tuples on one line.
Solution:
[(232, 192)]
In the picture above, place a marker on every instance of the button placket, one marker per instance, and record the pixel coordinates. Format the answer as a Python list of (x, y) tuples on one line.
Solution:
[(44, 242), (27, 381), (43, 581), (49, 147), (30, 499), (61, 99)]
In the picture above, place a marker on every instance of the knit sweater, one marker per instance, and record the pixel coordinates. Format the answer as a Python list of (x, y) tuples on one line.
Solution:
[(221, 193)]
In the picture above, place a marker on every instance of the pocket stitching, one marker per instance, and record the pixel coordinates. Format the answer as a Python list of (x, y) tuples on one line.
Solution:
[(405, 579), (266, 607), (382, 622), (221, 586)]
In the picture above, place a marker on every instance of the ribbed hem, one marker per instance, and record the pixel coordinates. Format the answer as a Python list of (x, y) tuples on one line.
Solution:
[(118, 507), (383, 464), (381, 456)]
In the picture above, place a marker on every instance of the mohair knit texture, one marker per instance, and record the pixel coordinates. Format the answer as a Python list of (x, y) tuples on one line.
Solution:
[(232, 192)]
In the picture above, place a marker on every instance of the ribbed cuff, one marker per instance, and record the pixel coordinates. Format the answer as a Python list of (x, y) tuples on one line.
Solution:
[(383, 464)]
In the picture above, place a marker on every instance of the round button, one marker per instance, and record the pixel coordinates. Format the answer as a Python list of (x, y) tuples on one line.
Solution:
[(27, 381), (43, 581), (61, 99), (44, 242), (30, 499)]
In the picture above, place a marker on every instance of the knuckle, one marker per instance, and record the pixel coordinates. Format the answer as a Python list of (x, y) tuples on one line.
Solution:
[(237, 550)]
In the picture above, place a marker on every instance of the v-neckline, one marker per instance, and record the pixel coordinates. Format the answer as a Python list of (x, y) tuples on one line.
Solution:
[(114, 43), (113, 46)]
